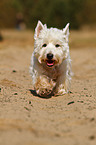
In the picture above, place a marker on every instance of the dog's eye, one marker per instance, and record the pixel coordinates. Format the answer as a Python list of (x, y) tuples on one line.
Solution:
[(57, 45), (44, 45)]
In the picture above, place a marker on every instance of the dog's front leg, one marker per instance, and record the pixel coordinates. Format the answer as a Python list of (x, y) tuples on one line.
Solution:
[(44, 86), (64, 78), (61, 87), (63, 84)]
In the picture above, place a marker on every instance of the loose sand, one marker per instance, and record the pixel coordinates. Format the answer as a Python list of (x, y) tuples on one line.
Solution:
[(26, 119)]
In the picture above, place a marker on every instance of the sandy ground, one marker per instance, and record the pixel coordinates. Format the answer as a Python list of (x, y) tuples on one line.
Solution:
[(26, 119)]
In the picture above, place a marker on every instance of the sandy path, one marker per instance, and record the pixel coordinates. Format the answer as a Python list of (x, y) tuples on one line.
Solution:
[(26, 119)]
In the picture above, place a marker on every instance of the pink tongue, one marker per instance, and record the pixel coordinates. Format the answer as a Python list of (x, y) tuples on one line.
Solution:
[(50, 64)]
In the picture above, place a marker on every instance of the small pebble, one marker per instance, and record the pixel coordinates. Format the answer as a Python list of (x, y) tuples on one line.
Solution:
[(80, 101), (27, 109), (71, 92), (70, 103), (85, 88), (15, 93), (29, 102), (14, 71), (92, 119), (92, 137)]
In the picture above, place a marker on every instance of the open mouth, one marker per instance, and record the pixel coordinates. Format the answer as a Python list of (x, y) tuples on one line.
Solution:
[(50, 63)]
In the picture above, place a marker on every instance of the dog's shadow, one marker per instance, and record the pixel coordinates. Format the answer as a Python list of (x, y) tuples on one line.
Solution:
[(33, 92)]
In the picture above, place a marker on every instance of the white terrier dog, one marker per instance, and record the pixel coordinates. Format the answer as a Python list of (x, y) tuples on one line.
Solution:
[(50, 62)]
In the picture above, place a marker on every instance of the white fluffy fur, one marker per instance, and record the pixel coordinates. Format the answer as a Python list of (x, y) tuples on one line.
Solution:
[(56, 79)]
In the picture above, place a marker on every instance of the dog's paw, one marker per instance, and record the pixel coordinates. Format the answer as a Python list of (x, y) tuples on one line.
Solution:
[(44, 92), (60, 91)]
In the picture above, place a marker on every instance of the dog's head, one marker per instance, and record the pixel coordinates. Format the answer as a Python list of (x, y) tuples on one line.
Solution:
[(51, 45)]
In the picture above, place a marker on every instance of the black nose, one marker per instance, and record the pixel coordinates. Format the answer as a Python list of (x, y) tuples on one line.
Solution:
[(49, 55)]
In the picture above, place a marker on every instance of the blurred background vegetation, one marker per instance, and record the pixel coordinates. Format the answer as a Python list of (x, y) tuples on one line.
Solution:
[(55, 13)]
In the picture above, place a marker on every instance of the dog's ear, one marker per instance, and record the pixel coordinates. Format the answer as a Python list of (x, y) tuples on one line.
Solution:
[(38, 28), (66, 31)]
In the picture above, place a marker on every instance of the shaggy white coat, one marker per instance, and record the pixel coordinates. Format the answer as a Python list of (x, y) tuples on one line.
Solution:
[(51, 77)]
